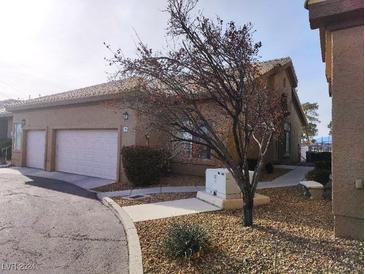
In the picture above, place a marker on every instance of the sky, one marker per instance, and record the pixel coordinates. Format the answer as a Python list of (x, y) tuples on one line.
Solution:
[(50, 46)]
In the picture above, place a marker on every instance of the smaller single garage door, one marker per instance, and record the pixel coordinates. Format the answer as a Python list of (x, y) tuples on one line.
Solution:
[(36, 148), (87, 152)]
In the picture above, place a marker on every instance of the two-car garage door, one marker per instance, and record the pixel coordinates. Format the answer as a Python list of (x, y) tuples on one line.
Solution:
[(87, 152)]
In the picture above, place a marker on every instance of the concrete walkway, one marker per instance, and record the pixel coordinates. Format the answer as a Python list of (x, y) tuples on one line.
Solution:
[(82, 181), (292, 178), (168, 209)]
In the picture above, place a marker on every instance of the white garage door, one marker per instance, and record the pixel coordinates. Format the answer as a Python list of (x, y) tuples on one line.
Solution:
[(36, 148), (87, 152)]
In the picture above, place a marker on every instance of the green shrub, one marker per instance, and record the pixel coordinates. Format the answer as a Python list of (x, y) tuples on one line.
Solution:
[(5, 143), (323, 165), (269, 168), (166, 163), (252, 163), (142, 165), (185, 241), (319, 175), (312, 156)]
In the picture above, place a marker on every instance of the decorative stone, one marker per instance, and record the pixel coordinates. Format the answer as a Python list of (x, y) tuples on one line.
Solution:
[(315, 189)]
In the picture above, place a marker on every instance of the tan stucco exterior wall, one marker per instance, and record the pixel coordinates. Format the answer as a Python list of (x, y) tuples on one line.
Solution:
[(348, 130), (96, 115), (282, 85)]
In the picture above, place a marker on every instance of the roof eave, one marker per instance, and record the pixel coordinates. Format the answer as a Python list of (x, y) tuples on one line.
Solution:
[(302, 116), (322, 13), (19, 107)]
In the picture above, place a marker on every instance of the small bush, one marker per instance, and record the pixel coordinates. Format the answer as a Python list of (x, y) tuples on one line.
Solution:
[(269, 168), (319, 175), (323, 165), (312, 156), (5, 143), (143, 165), (252, 163), (166, 163), (185, 241)]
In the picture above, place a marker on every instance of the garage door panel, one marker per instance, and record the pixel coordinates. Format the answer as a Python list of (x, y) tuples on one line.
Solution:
[(87, 152), (36, 149)]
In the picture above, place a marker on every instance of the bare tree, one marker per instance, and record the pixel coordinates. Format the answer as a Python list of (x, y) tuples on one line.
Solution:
[(206, 89)]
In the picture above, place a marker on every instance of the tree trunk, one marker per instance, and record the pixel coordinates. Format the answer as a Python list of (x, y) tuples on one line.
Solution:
[(247, 212)]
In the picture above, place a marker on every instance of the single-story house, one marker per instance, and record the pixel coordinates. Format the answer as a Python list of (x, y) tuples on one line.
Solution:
[(82, 131)]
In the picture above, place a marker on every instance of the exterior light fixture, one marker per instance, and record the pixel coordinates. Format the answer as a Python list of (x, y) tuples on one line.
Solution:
[(125, 116)]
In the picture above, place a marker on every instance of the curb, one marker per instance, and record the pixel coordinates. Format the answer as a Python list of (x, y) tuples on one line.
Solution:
[(134, 248)]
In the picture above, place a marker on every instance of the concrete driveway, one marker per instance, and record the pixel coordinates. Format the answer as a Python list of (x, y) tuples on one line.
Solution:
[(85, 182), (47, 226)]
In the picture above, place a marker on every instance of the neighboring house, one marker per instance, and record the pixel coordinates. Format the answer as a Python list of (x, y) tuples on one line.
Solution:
[(82, 131), (6, 120), (341, 28)]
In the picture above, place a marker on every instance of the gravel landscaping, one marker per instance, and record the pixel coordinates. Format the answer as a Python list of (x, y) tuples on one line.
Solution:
[(154, 198), (171, 180), (291, 235)]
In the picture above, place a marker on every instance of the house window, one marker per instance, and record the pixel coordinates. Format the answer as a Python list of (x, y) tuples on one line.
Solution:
[(202, 151), (18, 135), (187, 147), (287, 139), (205, 153), (284, 102), (193, 150)]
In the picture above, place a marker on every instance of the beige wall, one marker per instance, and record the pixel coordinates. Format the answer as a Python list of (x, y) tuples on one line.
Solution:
[(147, 135), (281, 83), (96, 115), (348, 130)]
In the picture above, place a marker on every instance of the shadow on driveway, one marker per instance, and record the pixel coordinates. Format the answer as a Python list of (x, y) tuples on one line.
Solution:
[(61, 186)]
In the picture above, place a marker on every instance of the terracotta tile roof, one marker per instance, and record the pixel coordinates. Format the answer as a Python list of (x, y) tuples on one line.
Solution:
[(92, 93), (107, 90), (268, 65)]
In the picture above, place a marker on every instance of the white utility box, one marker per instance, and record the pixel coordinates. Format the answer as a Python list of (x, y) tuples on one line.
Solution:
[(222, 190), (220, 182)]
